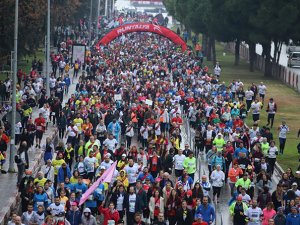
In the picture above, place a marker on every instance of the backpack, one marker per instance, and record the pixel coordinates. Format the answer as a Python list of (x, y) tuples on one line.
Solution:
[(18, 160), (76, 66)]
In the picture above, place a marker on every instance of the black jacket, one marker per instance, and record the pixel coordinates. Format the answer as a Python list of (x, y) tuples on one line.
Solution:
[(189, 217), (62, 122), (141, 201), (116, 195)]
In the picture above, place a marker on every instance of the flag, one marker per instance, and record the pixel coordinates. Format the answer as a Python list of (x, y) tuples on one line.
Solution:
[(106, 177)]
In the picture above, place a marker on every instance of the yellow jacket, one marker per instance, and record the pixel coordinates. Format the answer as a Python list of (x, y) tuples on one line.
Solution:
[(124, 179), (56, 163), (41, 182), (121, 165)]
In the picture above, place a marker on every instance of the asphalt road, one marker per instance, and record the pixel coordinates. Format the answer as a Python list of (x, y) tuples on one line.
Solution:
[(9, 180)]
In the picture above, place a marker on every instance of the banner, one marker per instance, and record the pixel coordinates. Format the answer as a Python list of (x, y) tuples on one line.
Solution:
[(118, 97), (106, 177), (149, 102), (78, 53), (143, 27)]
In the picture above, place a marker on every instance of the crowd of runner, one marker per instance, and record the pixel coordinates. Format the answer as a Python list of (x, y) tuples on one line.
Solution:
[(131, 101)]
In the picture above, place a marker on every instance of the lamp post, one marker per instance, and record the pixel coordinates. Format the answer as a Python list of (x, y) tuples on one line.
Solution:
[(48, 51), (90, 32), (98, 14), (106, 9), (113, 8), (14, 86)]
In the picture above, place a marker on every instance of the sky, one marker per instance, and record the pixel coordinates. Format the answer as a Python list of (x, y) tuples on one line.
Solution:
[(122, 4)]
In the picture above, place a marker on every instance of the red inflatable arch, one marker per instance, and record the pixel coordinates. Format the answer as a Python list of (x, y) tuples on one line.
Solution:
[(142, 27)]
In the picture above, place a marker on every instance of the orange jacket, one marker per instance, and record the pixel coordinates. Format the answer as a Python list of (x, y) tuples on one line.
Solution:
[(234, 173)]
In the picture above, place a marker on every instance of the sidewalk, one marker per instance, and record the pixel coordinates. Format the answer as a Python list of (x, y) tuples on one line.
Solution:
[(8, 181)]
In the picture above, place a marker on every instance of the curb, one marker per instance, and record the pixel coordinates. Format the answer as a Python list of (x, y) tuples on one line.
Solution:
[(279, 169), (35, 166)]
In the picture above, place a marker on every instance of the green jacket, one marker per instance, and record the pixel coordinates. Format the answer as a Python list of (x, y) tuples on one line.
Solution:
[(190, 165), (245, 184), (232, 206)]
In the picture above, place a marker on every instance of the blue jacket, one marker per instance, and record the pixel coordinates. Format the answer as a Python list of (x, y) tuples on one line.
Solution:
[(238, 150), (141, 176), (70, 186), (99, 193), (293, 219), (117, 128), (60, 174), (91, 202), (217, 160), (67, 81), (189, 180), (80, 189), (74, 217), (208, 213), (40, 199)]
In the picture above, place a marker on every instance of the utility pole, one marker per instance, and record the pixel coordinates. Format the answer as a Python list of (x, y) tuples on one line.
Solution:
[(113, 8), (98, 14), (106, 9), (14, 86), (91, 24), (48, 52)]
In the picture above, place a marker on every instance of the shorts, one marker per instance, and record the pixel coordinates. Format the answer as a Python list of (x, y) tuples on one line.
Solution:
[(178, 173), (39, 134)]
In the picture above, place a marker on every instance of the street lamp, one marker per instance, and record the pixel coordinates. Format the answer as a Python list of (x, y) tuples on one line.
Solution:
[(48, 51), (106, 9), (14, 86), (98, 14), (90, 32)]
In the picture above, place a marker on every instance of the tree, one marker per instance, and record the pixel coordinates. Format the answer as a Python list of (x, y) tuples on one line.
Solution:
[(32, 21)]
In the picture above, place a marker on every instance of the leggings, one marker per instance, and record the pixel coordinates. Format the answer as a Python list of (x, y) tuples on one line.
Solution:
[(216, 191), (281, 144), (271, 162), (61, 132), (128, 141), (271, 119)]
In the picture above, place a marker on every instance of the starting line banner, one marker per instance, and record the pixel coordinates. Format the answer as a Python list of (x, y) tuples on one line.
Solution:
[(143, 27)]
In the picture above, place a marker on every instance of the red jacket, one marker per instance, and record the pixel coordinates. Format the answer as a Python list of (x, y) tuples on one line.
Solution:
[(108, 215)]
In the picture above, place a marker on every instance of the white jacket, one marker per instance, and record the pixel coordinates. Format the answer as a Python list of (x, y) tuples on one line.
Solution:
[(152, 206), (217, 178)]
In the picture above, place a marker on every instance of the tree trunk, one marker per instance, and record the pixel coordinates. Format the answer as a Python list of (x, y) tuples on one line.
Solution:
[(268, 63), (237, 52), (279, 52), (276, 46), (252, 55), (204, 44), (213, 51), (208, 49)]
